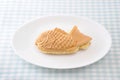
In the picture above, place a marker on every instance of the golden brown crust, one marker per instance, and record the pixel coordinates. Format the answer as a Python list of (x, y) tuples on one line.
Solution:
[(59, 52), (79, 37), (57, 41)]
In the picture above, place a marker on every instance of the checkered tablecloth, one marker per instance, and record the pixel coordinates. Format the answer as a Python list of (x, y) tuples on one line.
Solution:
[(13, 13)]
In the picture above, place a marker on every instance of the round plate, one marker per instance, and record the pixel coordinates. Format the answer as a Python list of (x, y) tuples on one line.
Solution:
[(24, 42)]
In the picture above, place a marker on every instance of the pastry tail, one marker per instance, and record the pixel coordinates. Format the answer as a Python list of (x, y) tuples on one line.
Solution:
[(79, 37)]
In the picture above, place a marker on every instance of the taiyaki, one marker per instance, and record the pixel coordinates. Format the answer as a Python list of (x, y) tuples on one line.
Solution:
[(57, 41)]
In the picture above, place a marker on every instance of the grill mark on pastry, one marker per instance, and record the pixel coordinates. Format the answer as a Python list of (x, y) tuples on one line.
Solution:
[(68, 41), (59, 30), (60, 41)]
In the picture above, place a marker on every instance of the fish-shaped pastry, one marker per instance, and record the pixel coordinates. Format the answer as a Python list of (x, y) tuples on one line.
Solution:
[(57, 41)]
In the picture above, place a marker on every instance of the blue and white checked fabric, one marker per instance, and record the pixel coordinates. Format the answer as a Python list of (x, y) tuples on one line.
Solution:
[(15, 12)]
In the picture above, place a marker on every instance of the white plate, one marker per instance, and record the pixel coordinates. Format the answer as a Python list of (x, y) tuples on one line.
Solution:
[(24, 38)]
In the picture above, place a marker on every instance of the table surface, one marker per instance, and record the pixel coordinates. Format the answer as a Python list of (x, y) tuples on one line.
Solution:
[(13, 13)]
